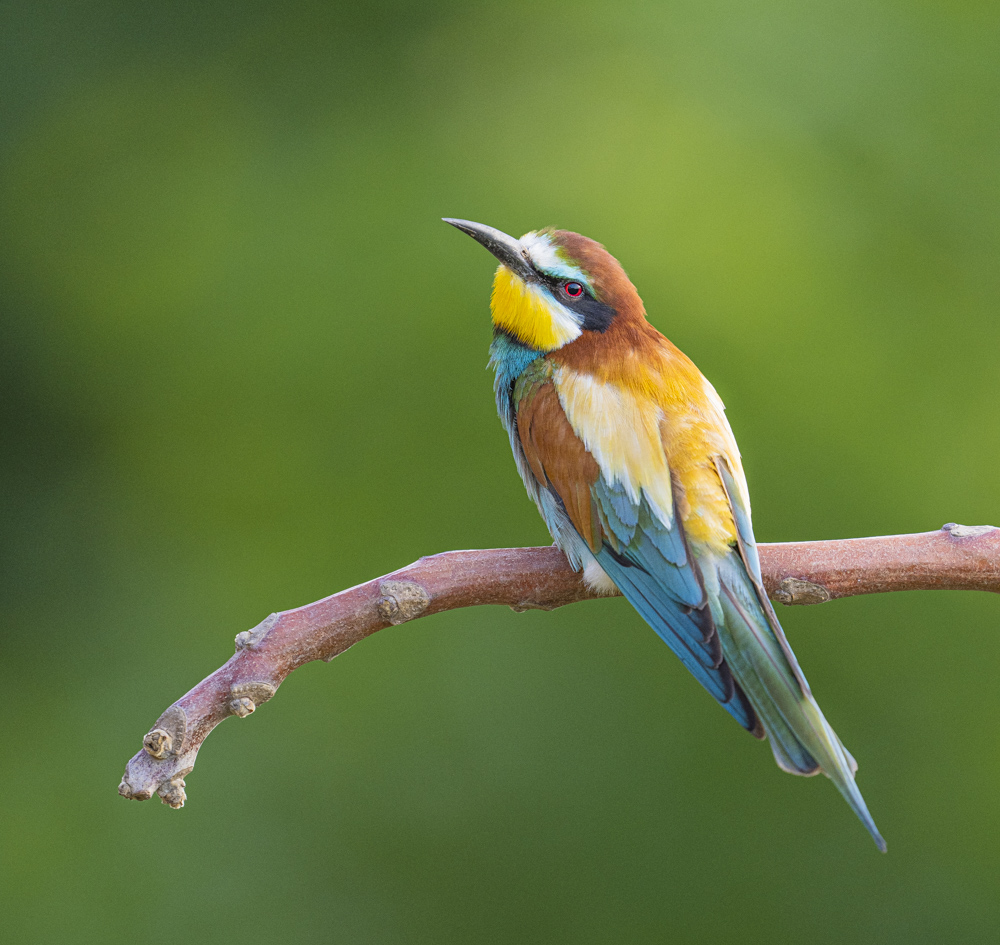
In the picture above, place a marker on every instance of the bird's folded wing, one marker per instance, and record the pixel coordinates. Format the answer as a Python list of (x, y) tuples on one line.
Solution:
[(647, 559)]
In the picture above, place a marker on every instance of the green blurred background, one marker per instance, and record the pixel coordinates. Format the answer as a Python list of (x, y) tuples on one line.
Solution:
[(244, 366)]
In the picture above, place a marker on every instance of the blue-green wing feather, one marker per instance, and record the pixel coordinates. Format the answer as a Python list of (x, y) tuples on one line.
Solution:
[(765, 666), (751, 562), (652, 567)]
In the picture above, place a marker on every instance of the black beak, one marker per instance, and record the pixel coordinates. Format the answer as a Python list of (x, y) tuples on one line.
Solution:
[(507, 249)]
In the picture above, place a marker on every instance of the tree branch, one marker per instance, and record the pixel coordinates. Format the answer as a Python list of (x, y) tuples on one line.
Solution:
[(958, 557)]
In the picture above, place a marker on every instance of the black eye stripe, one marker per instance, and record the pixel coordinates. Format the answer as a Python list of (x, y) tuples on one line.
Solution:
[(593, 315), (558, 286)]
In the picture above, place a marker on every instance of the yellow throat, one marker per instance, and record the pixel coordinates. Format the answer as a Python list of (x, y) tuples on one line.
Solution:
[(530, 314)]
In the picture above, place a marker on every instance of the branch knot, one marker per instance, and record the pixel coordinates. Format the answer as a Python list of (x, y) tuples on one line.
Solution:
[(158, 743), (248, 639), (168, 734), (401, 601), (247, 696), (796, 591), (967, 531), (172, 791)]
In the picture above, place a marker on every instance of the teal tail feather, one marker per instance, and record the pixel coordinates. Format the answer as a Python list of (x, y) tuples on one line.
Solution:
[(766, 670)]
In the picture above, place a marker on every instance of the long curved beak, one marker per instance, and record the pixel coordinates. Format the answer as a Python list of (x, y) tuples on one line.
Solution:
[(507, 249)]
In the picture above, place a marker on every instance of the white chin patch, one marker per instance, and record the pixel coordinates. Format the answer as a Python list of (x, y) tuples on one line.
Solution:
[(595, 578)]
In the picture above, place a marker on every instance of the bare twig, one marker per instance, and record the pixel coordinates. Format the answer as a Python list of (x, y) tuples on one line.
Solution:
[(958, 557)]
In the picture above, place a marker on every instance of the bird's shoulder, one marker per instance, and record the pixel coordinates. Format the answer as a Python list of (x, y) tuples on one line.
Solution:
[(654, 424)]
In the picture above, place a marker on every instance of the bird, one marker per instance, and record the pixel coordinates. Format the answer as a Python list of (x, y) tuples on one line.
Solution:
[(625, 448)]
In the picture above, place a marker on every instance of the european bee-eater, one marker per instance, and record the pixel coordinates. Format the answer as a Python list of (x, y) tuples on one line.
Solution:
[(626, 450)]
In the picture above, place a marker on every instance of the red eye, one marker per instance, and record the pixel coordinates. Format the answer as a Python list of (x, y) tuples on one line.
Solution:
[(573, 289)]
